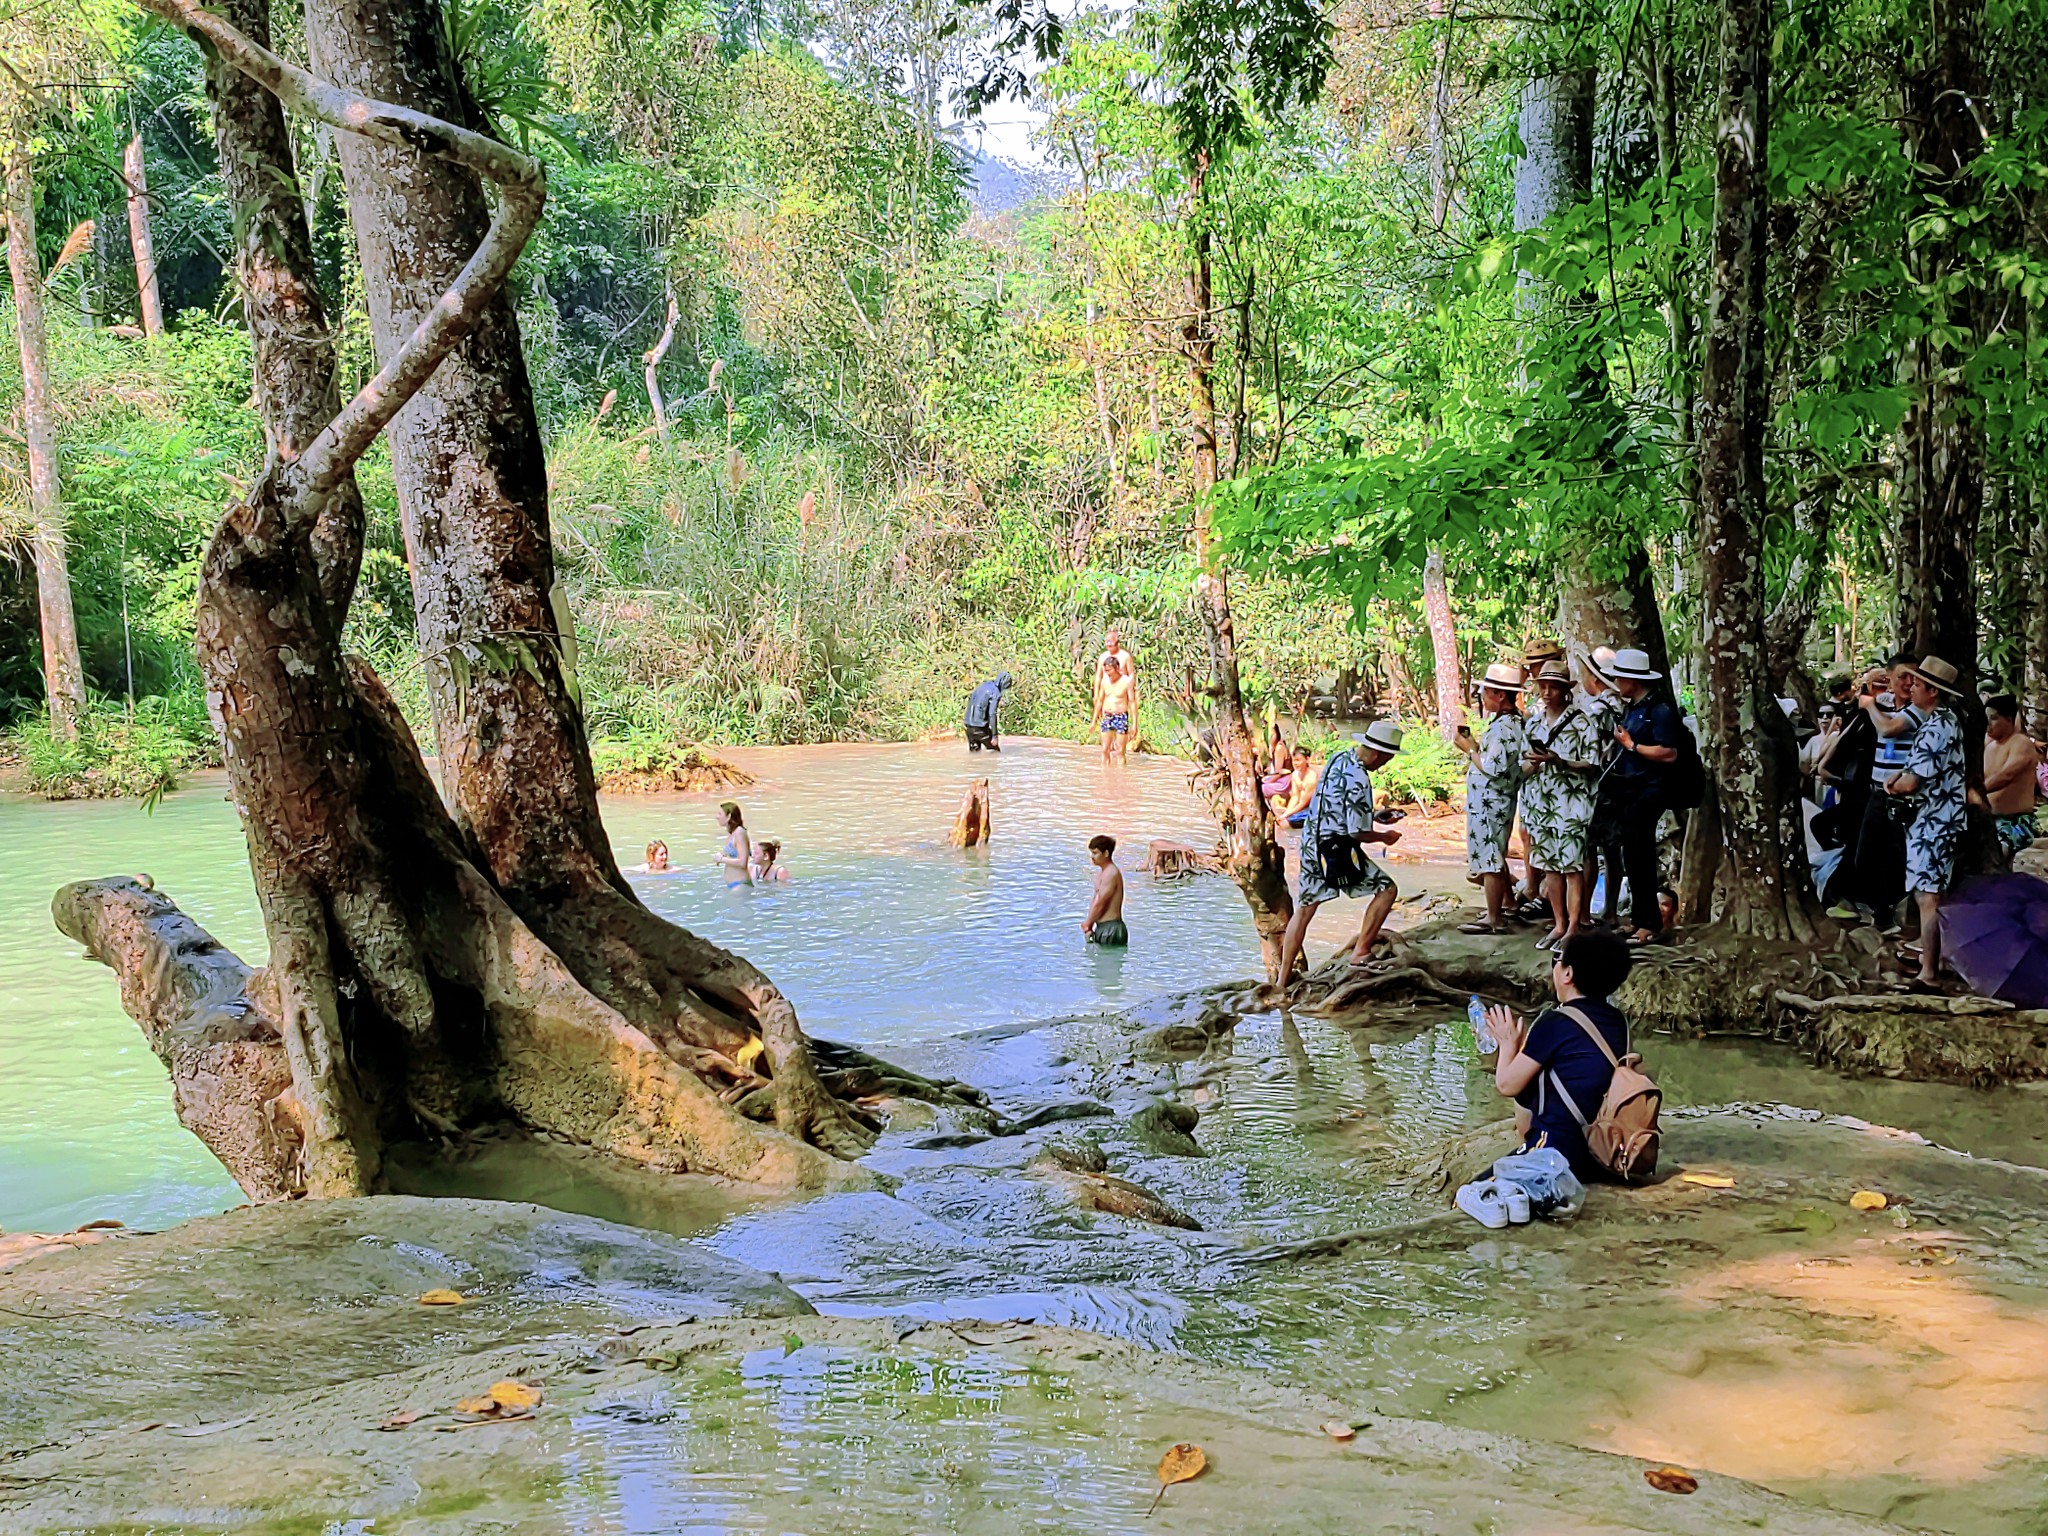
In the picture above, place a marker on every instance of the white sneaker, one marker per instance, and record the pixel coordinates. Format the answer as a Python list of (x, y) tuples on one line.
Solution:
[(1517, 1199), (1483, 1203)]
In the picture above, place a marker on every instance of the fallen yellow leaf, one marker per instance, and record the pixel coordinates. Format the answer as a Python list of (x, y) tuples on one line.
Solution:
[(1707, 1180), (400, 1419), (514, 1396), (1867, 1200), (442, 1297), (483, 1407), (1671, 1480), (744, 1056), (1180, 1463), (1337, 1429)]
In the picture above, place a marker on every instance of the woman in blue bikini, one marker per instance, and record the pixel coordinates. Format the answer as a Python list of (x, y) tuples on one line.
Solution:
[(738, 858)]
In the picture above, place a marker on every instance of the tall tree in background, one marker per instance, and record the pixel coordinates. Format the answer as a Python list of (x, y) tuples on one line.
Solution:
[(63, 672), (140, 240), (1748, 739), (1217, 53)]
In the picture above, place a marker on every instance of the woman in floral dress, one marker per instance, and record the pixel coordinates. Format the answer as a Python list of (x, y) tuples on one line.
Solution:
[(1557, 797), (1492, 777)]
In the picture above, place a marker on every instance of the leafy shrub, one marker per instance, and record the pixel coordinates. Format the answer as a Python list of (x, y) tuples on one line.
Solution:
[(1426, 771), (146, 754)]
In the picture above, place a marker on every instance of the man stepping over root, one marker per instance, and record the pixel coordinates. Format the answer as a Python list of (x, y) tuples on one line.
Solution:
[(1333, 838)]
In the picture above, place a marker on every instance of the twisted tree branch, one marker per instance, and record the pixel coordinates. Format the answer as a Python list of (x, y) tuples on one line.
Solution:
[(522, 189)]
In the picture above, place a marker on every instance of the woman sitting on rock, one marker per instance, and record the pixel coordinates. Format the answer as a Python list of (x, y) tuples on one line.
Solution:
[(1556, 1071)]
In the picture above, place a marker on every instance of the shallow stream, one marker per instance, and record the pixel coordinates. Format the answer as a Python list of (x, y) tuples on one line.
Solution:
[(973, 964)]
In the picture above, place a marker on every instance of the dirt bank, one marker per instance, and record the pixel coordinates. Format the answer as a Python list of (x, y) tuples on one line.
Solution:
[(273, 1371)]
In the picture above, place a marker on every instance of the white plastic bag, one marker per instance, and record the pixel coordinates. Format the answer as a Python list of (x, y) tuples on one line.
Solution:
[(1553, 1189)]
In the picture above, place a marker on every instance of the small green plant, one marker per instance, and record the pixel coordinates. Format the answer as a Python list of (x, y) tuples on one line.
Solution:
[(146, 754), (1426, 771)]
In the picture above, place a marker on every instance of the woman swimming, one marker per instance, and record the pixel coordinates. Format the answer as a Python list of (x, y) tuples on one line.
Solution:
[(766, 869), (657, 861)]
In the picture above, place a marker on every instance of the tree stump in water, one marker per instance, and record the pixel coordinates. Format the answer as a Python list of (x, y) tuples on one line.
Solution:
[(1168, 860), (972, 825)]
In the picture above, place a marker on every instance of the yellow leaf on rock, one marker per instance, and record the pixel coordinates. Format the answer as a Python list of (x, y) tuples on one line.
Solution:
[(1867, 1200), (1671, 1479), (744, 1056), (442, 1298), (515, 1396), (1707, 1180), (482, 1406), (1180, 1463), (1337, 1429)]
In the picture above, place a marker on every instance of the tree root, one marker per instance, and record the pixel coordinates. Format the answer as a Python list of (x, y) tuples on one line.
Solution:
[(1337, 1242)]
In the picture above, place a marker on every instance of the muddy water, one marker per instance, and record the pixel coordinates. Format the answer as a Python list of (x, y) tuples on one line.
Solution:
[(1759, 1332)]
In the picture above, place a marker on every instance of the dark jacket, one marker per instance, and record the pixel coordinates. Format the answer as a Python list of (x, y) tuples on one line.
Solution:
[(986, 702)]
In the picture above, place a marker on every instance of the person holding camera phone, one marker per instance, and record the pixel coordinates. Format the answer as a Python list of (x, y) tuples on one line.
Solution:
[(1339, 824)]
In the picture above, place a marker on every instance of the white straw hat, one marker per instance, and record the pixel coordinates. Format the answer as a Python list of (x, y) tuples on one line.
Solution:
[(1504, 675), (1381, 736), (1634, 665)]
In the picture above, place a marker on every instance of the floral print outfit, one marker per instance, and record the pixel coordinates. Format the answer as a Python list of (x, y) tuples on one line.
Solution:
[(1557, 799), (1340, 810), (1491, 780), (1937, 825)]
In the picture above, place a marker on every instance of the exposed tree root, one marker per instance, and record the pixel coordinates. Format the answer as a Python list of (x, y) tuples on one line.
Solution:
[(972, 825)]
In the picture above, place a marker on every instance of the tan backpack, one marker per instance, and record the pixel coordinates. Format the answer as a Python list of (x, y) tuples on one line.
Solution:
[(1623, 1137)]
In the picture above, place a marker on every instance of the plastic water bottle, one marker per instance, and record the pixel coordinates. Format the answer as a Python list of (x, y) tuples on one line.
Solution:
[(1476, 1012)]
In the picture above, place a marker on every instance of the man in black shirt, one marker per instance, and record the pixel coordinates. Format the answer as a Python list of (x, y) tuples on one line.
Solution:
[(1649, 737)]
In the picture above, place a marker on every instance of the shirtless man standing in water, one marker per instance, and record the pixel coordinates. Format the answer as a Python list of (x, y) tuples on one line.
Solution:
[(1104, 923), (1113, 707)]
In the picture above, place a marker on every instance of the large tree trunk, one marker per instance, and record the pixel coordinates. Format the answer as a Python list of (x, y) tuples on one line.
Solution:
[(2036, 701), (139, 239), (1606, 596), (1941, 487), (407, 994), (63, 673), (1749, 742), (1443, 644), (494, 630), (1255, 858)]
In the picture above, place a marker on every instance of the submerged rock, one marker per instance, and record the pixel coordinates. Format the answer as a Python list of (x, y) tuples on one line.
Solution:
[(1047, 1114), (1167, 1127), (1076, 1154)]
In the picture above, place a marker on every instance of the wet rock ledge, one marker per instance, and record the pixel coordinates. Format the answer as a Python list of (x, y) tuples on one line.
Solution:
[(275, 1369)]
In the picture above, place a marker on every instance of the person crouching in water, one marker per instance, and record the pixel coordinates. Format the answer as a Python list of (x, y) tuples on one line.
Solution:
[(1493, 778), (1338, 825), (1104, 923), (984, 713), (1555, 1070)]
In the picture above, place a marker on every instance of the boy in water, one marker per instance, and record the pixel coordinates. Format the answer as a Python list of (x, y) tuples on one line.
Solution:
[(1113, 708), (1104, 923)]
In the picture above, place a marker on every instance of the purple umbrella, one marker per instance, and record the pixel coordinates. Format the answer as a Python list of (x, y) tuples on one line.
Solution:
[(1994, 931)]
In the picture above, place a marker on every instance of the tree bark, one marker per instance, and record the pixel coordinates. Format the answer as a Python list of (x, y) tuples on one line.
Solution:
[(1254, 856), (408, 994), (1749, 744), (1606, 595), (63, 672), (652, 364), (139, 240), (2036, 702), (1443, 642), (1941, 490)]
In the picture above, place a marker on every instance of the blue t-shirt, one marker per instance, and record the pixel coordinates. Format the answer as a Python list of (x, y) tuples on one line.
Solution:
[(1650, 722), (1569, 1056)]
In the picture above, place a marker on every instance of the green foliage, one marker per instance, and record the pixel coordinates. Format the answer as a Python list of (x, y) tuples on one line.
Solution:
[(1426, 771), (147, 754)]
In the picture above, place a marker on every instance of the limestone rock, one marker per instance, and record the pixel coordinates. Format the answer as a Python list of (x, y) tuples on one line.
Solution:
[(1168, 1128)]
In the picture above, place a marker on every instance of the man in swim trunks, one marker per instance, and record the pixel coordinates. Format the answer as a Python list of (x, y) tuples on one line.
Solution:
[(1113, 704), (1113, 650), (1104, 923)]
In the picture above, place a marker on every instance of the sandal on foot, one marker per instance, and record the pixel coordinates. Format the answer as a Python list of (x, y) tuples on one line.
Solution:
[(1550, 941)]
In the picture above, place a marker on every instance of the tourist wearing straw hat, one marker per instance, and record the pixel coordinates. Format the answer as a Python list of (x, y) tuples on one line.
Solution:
[(1557, 797), (1649, 738), (1933, 780), (1493, 774), (1340, 821), (1600, 704)]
